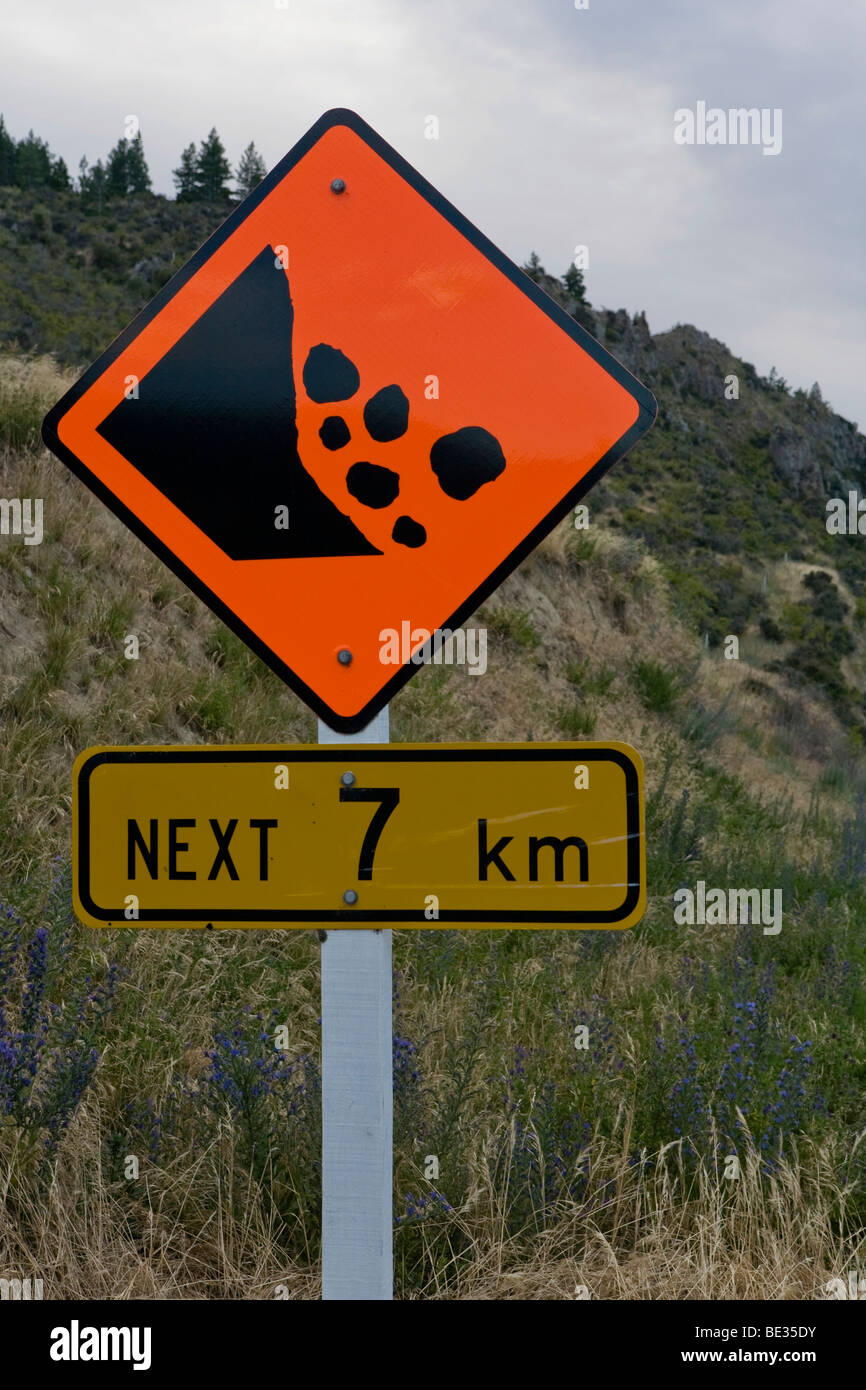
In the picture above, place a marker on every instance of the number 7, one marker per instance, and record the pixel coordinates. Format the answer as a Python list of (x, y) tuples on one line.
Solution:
[(388, 798)]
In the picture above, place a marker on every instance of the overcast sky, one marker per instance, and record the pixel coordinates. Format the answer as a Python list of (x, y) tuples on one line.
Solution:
[(556, 128)]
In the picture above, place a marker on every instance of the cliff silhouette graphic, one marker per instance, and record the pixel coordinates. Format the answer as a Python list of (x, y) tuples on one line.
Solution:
[(216, 419)]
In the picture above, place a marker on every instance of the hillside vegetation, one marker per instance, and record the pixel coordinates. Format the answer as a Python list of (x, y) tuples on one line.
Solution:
[(560, 1169)]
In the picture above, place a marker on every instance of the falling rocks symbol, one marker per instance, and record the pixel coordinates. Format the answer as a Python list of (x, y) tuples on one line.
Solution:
[(287, 449), (214, 427)]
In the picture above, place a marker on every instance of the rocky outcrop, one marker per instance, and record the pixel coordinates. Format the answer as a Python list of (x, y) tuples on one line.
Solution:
[(793, 457)]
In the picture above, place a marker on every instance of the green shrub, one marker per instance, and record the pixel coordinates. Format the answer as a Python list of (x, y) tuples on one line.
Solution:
[(592, 683), (213, 706), (704, 727), (514, 625), (770, 630), (579, 548), (41, 221), (578, 720), (657, 687), (23, 403)]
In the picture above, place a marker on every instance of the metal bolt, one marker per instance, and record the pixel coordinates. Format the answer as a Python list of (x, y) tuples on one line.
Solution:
[(350, 896), (348, 779), (344, 656), (338, 186)]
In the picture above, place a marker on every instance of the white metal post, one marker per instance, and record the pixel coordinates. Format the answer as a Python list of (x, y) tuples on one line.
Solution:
[(357, 1099)]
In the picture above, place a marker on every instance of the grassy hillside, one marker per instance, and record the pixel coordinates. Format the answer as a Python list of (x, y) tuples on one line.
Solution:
[(72, 278), (559, 1168), (723, 491)]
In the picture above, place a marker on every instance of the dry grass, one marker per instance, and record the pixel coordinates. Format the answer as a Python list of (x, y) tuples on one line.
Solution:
[(670, 1235), (29, 386), (686, 1237), (566, 632)]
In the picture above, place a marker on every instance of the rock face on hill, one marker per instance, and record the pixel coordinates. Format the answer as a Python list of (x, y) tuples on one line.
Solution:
[(814, 452), (731, 484)]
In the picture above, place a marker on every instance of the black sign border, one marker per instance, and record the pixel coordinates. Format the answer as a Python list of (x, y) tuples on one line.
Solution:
[(341, 754), (647, 410)]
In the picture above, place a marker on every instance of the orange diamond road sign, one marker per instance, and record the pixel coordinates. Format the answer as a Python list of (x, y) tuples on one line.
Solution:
[(348, 416)]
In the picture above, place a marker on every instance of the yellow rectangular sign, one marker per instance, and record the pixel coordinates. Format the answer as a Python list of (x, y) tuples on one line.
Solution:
[(408, 835)]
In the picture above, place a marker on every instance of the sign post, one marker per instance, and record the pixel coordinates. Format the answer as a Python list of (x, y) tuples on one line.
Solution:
[(342, 424), (353, 836), (357, 1098)]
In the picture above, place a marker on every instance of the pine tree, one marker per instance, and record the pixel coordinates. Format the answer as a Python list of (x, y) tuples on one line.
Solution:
[(212, 170), (574, 283), (138, 174), (777, 382), (7, 155), (117, 171), (59, 176), (534, 269), (91, 184), (185, 176), (29, 163), (250, 171), (98, 184), (32, 162)]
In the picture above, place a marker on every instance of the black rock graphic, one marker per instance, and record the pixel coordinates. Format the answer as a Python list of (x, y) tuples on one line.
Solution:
[(465, 460)]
